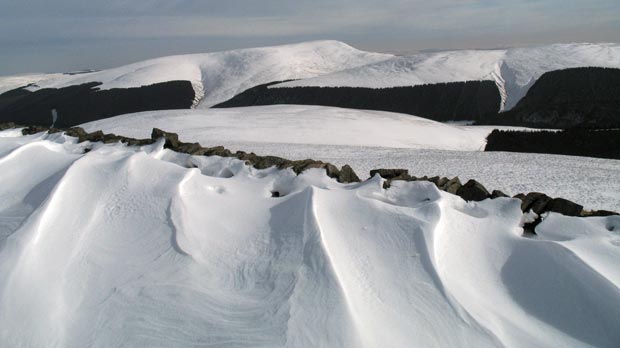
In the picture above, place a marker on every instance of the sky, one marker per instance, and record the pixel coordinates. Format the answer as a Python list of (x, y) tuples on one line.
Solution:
[(71, 35)]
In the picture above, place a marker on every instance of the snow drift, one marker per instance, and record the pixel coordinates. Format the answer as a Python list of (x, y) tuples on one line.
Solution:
[(125, 246)]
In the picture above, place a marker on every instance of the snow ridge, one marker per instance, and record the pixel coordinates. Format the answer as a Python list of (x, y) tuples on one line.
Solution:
[(168, 249)]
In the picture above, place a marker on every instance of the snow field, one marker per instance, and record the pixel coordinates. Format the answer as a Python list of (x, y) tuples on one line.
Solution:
[(370, 139)]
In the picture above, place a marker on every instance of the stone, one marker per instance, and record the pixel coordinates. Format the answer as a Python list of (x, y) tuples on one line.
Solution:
[(565, 207), (498, 194), (453, 185), (217, 151), (441, 183), (389, 173), (8, 125), (598, 213), (191, 149), (435, 180), (137, 142), (535, 201), (111, 138), (77, 132), (34, 130), (303, 165), (95, 136), (473, 191), (263, 162), (332, 170), (172, 139), (347, 175)]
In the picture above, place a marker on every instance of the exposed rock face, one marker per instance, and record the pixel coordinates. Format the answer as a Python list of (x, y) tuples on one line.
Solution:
[(442, 101), (84, 103)]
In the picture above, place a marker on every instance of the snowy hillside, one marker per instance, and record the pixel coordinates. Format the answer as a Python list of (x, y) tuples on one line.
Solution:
[(8, 83), (217, 77), (514, 70), (301, 124), (369, 139), (122, 246)]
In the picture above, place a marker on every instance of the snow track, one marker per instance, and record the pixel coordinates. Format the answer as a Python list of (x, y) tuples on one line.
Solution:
[(123, 246)]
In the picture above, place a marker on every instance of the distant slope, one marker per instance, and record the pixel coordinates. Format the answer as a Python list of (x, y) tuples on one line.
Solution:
[(297, 124), (72, 105), (577, 97), (513, 70), (452, 101), (219, 76)]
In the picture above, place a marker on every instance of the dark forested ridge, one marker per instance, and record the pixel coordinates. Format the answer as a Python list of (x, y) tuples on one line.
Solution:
[(453, 101), (570, 98), (84, 103), (575, 142), (583, 101)]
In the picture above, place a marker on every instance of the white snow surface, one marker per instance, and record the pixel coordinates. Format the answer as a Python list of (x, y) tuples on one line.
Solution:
[(219, 76), (514, 70), (369, 139), (125, 246), (301, 124), (8, 83)]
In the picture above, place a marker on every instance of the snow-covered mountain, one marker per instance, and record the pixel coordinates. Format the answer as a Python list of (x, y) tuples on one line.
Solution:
[(127, 246), (217, 77), (514, 70)]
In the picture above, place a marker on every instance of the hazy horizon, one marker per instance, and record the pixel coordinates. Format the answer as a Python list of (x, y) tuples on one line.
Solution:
[(71, 35)]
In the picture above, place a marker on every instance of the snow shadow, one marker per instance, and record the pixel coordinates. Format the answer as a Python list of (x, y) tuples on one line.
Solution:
[(556, 287)]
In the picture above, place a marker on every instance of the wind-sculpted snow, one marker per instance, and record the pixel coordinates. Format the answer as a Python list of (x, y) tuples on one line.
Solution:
[(127, 246)]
